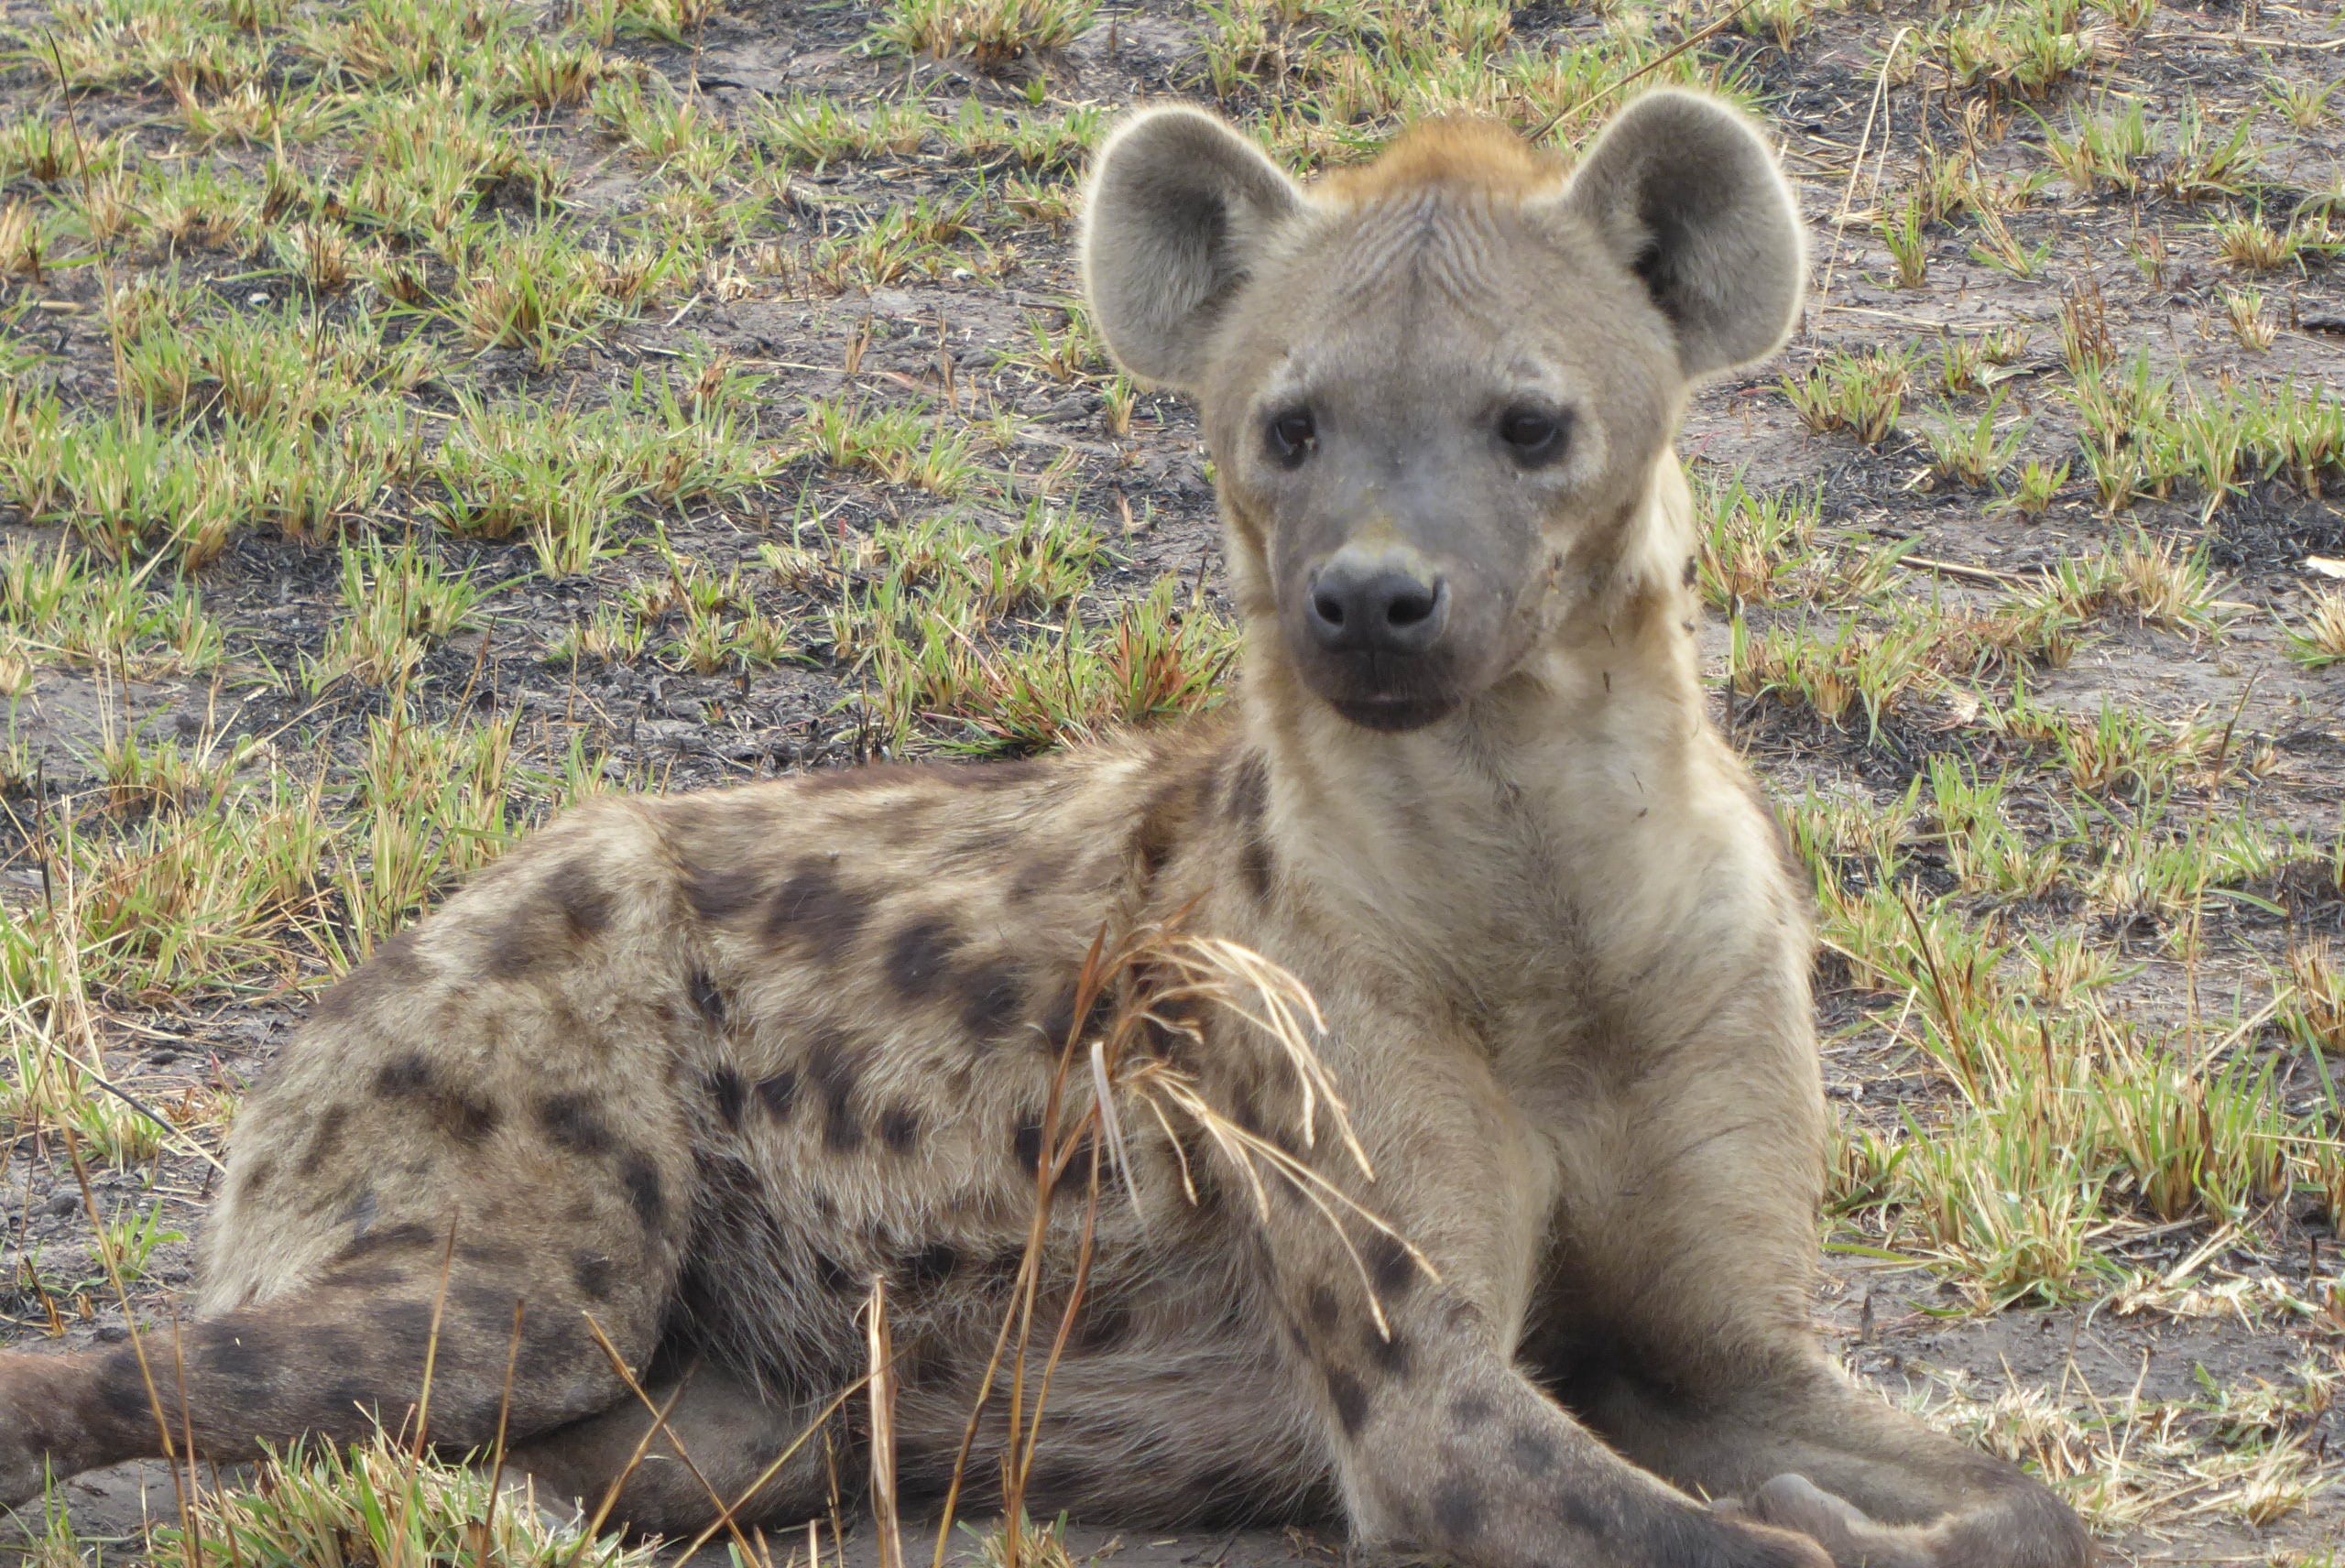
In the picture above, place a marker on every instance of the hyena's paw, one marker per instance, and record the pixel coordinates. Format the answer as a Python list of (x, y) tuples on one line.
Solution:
[(23, 1468), (36, 1415), (1842, 1530), (1753, 1542), (2024, 1526)]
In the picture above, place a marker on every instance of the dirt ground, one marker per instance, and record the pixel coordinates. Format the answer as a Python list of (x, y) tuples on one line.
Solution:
[(2175, 1377)]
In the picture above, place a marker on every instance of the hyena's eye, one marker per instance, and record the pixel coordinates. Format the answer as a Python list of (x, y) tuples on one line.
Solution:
[(1534, 436), (1293, 436)]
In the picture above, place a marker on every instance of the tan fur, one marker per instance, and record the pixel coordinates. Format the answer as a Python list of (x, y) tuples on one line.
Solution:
[(698, 1069), (1467, 155)]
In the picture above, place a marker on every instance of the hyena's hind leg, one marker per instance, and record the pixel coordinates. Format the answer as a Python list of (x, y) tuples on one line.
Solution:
[(497, 1109)]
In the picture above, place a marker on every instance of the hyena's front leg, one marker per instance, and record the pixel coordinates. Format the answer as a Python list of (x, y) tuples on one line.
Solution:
[(1679, 1324), (1440, 1442)]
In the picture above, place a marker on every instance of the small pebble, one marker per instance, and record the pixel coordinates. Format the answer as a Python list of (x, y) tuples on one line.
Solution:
[(61, 1203)]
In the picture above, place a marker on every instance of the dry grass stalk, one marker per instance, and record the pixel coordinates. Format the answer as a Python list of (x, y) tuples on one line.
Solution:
[(882, 1379), (1156, 974)]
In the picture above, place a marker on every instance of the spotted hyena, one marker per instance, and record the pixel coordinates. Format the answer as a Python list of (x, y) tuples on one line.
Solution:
[(695, 1071)]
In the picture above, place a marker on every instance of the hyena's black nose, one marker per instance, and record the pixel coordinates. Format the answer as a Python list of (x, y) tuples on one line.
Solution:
[(1379, 602)]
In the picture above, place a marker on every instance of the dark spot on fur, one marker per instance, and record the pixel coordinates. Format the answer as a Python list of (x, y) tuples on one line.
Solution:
[(1533, 1451), (726, 1088), (571, 1123), (409, 1237), (1026, 1143), (1343, 1391), (460, 1114), (593, 1274), (345, 1399), (494, 1254), (1391, 1267), (720, 893), (708, 998), (1060, 1025), (466, 1117), (323, 1141), (931, 1265), (899, 1128), (405, 1327), (1584, 1516), (778, 1094), (257, 1176), (833, 1074), (1693, 572), (832, 1274), (550, 1355), (404, 1077), (517, 944), (1163, 820), (368, 1277), (920, 957), (1325, 1310), (641, 1179), (237, 1351), (1255, 863), (811, 911), (1472, 1409), (584, 902), (1247, 804), (122, 1388), (992, 998), (1390, 1356), (1458, 1508)]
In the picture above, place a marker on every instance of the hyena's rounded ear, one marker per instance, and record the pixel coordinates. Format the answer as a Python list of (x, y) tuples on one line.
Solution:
[(1688, 193), (1179, 206)]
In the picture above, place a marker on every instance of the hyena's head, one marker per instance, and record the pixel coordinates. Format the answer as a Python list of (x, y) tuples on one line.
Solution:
[(1435, 388)]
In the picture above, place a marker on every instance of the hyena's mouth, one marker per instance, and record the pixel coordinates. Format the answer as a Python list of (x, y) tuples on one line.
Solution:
[(1393, 716), (1384, 693)]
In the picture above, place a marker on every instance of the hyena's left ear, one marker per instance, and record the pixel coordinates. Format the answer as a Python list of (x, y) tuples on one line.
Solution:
[(1179, 206), (1687, 194)]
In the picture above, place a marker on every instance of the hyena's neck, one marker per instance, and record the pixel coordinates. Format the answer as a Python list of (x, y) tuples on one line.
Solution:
[(1521, 812)]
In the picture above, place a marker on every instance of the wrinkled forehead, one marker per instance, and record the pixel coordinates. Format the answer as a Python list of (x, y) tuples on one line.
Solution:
[(1421, 294), (1462, 252)]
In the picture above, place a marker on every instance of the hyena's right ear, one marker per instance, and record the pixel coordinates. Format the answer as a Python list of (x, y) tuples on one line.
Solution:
[(1179, 205)]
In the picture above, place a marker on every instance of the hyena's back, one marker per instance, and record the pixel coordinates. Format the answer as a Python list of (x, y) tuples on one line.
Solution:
[(700, 1068)]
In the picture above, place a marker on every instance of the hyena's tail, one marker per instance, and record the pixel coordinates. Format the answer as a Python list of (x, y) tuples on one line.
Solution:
[(497, 1111)]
